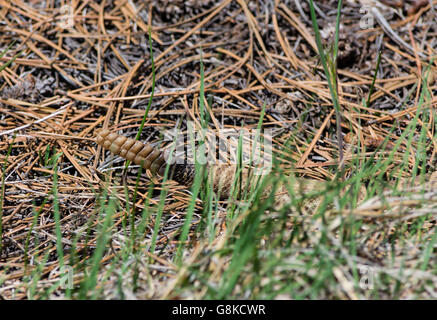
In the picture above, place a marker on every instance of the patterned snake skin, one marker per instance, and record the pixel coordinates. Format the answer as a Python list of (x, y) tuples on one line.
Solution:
[(222, 175), (150, 158)]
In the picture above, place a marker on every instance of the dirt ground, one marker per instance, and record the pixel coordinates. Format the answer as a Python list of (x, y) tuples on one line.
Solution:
[(84, 65)]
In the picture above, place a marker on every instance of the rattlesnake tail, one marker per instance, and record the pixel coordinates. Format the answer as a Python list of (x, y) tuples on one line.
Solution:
[(145, 155)]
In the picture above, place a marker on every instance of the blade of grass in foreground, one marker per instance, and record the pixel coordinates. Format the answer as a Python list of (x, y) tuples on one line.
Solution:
[(245, 247), (162, 197), (7, 64), (149, 104), (107, 212), (329, 64), (200, 172), (59, 247), (372, 86)]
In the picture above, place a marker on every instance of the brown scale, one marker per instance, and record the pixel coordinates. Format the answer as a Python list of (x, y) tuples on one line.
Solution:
[(150, 158), (137, 152)]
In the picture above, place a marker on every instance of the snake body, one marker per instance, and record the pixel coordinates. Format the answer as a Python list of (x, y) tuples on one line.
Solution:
[(223, 176), (153, 159)]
